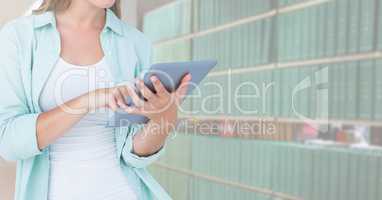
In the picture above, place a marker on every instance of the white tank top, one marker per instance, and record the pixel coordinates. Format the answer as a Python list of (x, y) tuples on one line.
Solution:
[(84, 163)]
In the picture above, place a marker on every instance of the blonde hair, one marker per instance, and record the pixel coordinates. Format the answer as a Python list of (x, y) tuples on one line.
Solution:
[(55, 5)]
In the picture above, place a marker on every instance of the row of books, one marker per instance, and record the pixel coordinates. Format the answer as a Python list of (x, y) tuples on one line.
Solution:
[(302, 35), (212, 13), (169, 21), (283, 3), (243, 46), (334, 28), (309, 173), (348, 91)]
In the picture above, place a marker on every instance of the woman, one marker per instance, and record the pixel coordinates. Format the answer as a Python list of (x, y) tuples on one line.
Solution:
[(59, 71)]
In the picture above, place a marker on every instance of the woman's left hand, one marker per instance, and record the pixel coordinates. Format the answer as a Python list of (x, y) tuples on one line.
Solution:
[(161, 107)]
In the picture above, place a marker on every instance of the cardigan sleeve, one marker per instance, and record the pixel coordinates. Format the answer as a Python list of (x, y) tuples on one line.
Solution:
[(144, 49), (18, 139)]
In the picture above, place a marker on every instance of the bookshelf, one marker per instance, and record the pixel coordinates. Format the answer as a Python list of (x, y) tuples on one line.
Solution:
[(331, 45)]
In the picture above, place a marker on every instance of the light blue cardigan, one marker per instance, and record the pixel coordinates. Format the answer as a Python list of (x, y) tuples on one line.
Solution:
[(29, 49)]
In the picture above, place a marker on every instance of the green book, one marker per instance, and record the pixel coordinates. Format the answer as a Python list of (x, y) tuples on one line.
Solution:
[(373, 171), (354, 28), (367, 25), (237, 45), (378, 92), (266, 40), (321, 29), (282, 37), (365, 95), (306, 173), (342, 98), (333, 92), (342, 22), (312, 32), (246, 45), (331, 24), (226, 48), (284, 93), (352, 180), (307, 97), (303, 35), (295, 28), (289, 36), (350, 96), (379, 26), (276, 93), (258, 42)]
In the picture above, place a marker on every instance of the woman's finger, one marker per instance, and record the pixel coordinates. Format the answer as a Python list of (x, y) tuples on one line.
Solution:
[(138, 102), (145, 91), (119, 98), (112, 103), (124, 91), (183, 88), (133, 110), (159, 88)]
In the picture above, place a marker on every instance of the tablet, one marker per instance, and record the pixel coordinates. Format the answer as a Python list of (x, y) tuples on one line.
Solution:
[(170, 74)]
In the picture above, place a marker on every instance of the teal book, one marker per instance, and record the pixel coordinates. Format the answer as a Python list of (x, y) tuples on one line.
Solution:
[(306, 173), (351, 74), (342, 99), (257, 44), (303, 34), (277, 102), (378, 92), (372, 169), (246, 45), (266, 40), (365, 97), (331, 33), (249, 45), (237, 50), (289, 36), (320, 28), (226, 48), (285, 92), (294, 81), (333, 92), (312, 32), (354, 28), (342, 23), (298, 35), (379, 26), (354, 167), (280, 37), (367, 25), (307, 100)]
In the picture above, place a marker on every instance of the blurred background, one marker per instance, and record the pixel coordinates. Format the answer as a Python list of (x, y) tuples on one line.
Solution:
[(292, 111)]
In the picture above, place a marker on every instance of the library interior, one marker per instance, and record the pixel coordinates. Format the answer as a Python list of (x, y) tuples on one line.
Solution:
[(293, 110)]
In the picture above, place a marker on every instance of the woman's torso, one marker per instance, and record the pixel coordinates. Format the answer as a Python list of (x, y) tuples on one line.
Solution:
[(29, 51), (84, 163)]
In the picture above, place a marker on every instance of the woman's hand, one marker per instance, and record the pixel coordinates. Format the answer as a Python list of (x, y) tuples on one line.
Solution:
[(160, 107), (112, 98)]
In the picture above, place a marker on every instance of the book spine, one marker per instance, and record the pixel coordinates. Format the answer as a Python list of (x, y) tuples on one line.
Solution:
[(378, 91), (351, 73), (330, 29), (365, 90), (367, 25), (353, 28)]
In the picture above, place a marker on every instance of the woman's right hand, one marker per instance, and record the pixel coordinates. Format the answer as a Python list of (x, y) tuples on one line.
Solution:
[(112, 98)]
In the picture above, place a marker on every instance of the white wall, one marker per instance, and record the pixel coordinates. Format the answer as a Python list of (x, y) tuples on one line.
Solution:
[(129, 12), (12, 8)]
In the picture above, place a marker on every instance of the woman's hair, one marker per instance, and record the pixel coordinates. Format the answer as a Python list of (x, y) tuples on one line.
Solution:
[(55, 5)]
